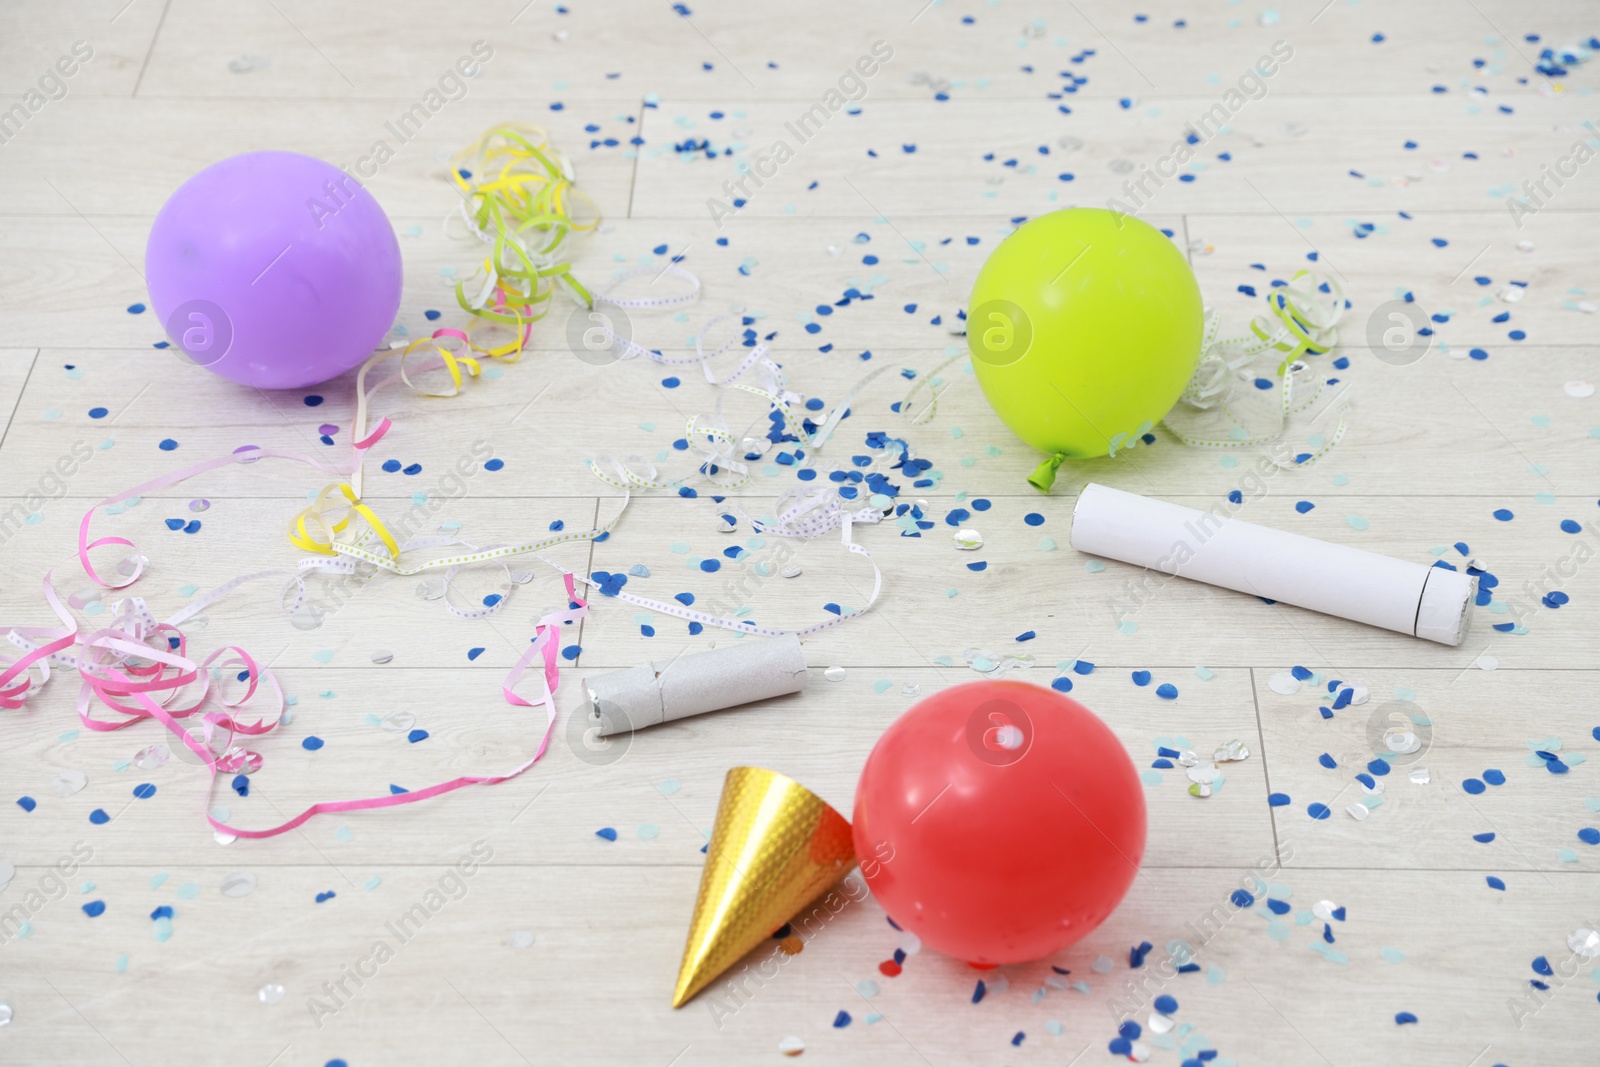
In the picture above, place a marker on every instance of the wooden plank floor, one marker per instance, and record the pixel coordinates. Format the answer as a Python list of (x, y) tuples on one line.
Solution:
[(1385, 148)]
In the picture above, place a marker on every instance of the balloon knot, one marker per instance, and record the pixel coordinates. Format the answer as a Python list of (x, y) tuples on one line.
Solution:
[(1044, 476)]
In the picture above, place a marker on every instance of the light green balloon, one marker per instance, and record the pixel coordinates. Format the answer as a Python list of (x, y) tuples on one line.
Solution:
[(1084, 327)]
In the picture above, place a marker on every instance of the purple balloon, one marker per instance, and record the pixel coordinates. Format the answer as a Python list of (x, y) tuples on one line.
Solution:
[(274, 269)]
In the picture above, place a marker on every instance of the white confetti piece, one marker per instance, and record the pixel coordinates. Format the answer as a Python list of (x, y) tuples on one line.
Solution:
[(70, 782), (1486, 663), (967, 540), (834, 674), (1420, 776), (791, 1046), (1284, 683), (239, 884), (520, 939), (272, 993), (1579, 390)]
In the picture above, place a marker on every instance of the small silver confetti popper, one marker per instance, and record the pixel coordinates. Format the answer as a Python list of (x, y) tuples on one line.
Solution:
[(652, 693)]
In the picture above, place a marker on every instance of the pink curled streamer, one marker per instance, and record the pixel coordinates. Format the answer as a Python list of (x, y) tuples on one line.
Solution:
[(118, 664)]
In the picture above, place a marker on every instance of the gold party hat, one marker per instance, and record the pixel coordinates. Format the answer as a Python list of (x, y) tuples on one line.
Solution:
[(775, 848)]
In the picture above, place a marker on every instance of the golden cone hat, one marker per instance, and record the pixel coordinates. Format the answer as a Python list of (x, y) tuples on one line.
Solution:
[(776, 847)]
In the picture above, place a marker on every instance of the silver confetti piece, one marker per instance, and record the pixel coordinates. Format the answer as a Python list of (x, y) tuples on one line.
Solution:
[(1231, 752), (430, 589), (1420, 776), (151, 757), (1284, 683), (1584, 942), (1358, 812), (200, 504), (382, 655), (1324, 909), (791, 571), (5, 1013), (521, 939), (967, 540), (272, 993)]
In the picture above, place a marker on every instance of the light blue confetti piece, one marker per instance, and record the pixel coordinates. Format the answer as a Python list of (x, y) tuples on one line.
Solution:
[(680, 548), (867, 987), (1329, 953), (1228, 463), (648, 831), (1047, 544), (158, 880), (1054, 1027), (163, 929), (122, 963), (1093, 566), (881, 685), (1205, 674), (1278, 930), (1567, 855), (344, 835), (189, 890), (1357, 522), (50, 414), (1102, 965), (1127, 626), (1392, 955), (1151, 776), (669, 786), (1215, 975)]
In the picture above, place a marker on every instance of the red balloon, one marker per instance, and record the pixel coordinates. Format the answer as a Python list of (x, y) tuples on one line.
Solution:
[(999, 821)]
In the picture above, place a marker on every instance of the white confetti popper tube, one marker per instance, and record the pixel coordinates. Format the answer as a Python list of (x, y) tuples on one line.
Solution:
[(665, 690), (1350, 583)]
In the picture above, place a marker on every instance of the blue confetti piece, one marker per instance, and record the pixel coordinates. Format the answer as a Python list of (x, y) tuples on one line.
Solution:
[(979, 991), (1495, 883), (417, 735), (1504, 514), (1242, 898), (1327, 761), (163, 912), (1318, 810), (94, 909), (494, 464), (474, 653), (98, 816), (1279, 800), (167, 444), (1542, 966), (841, 1020), (1027, 635), (328, 895), (312, 743), (607, 832), (1165, 1004), (1167, 691), (1567, 525), (241, 785), (571, 652), (1401, 1018), (144, 791), (1304, 506), (1589, 835), (1062, 684), (1483, 838), (1083, 667), (27, 803), (1473, 786), (1301, 673), (1141, 678), (174, 524), (98, 413)]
